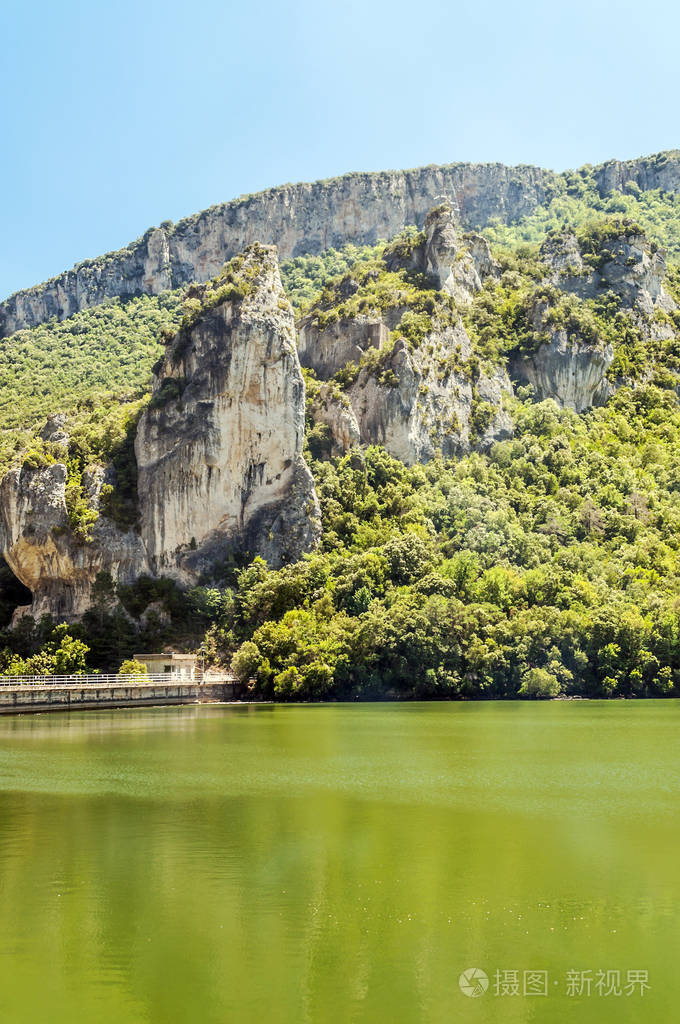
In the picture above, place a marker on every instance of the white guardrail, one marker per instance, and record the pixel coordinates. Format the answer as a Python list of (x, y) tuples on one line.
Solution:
[(136, 679)]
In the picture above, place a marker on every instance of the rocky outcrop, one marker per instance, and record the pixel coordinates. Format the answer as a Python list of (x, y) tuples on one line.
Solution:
[(415, 404), (615, 258), (459, 263), (421, 401), (566, 369), (144, 267), (414, 393), (327, 349), (662, 171), (219, 449), (308, 218), (332, 409), (303, 218), (492, 390), (54, 430), (622, 261), (42, 551), (564, 364), (219, 453)]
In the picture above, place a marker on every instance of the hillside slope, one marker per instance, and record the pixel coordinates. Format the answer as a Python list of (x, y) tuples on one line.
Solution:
[(486, 423), (492, 434)]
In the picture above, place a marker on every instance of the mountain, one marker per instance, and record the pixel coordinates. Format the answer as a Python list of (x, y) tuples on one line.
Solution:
[(438, 458), (310, 218)]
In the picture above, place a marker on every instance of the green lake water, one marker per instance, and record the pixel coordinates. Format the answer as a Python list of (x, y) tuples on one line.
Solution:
[(339, 863)]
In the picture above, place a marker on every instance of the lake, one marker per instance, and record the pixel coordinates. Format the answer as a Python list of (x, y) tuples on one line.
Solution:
[(341, 863)]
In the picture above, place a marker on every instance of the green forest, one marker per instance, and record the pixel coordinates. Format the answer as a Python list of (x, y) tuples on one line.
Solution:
[(547, 565)]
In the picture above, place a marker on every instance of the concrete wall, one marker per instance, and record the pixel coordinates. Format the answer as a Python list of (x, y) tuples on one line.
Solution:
[(28, 698)]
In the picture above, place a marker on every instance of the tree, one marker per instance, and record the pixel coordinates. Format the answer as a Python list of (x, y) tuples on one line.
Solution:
[(132, 667), (62, 655), (538, 682), (70, 657)]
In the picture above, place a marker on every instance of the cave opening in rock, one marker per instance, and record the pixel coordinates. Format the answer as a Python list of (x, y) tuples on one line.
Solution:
[(13, 593)]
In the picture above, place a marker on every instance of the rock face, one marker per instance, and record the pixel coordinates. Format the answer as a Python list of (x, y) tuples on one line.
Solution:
[(662, 170), (459, 263), (569, 371), (491, 391), (417, 401), (220, 465), (219, 447), (308, 218), (304, 218), (327, 350), (219, 453), (566, 367), (422, 401), (573, 369), (626, 264), (333, 409), (42, 551), (144, 267), (415, 398)]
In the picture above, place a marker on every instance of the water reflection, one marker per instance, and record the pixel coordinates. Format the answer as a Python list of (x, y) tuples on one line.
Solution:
[(332, 864)]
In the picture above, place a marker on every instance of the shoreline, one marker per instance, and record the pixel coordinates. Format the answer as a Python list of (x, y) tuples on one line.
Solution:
[(147, 704)]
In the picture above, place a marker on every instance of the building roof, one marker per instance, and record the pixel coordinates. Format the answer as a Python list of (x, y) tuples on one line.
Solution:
[(164, 657)]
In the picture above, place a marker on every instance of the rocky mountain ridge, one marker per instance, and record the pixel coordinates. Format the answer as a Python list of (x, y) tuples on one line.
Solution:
[(308, 218)]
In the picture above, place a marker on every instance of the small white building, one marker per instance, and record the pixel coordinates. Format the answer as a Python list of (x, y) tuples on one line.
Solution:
[(180, 666)]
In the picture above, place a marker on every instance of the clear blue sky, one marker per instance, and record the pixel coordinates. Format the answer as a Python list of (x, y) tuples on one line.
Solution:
[(118, 115)]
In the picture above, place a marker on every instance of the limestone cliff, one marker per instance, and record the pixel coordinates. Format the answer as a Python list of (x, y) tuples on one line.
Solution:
[(327, 349), (43, 552), (459, 263), (307, 218), (218, 452), (402, 353), (410, 408), (219, 449), (662, 171), (302, 218), (566, 367), (571, 360), (144, 267), (332, 409), (621, 260), (311, 217), (418, 401)]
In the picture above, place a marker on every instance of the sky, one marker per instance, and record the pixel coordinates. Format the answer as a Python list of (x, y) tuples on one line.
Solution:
[(119, 115)]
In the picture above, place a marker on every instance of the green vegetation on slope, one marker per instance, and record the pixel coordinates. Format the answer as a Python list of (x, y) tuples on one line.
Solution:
[(578, 200), (501, 319), (87, 364), (550, 565), (304, 277)]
